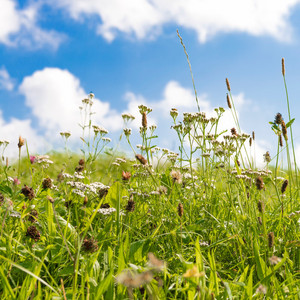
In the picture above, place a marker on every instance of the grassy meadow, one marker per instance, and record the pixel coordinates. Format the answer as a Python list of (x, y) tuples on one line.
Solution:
[(201, 223)]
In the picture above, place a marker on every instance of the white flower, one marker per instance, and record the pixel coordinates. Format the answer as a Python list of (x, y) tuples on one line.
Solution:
[(106, 211)]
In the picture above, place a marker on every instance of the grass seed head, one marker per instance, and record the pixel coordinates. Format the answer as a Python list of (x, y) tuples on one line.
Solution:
[(284, 130), (284, 186), (271, 239), (280, 141), (250, 142), (141, 159), (130, 204), (261, 206), (180, 210), (253, 135), (228, 102), (144, 120), (282, 67), (228, 85)]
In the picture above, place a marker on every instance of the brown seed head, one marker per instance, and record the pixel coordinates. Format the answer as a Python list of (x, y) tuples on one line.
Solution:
[(284, 130), (253, 135), (259, 219), (278, 118), (79, 168), (284, 186), (259, 183), (238, 163), (33, 216), (130, 205), (228, 85), (21, 142), (280, 141), (180, 210), (233, 131), (144, 120), (250, 142), (81, 162), (141, 159), (50, 199), (28, 192), (271, 239), (47, 183), (282, 67), (260, 206), (33, 233), (228, 101), (90, 245)]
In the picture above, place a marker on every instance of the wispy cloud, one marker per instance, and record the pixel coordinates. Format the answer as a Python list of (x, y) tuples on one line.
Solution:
[(6, 82), (146, 18), (19, 27)]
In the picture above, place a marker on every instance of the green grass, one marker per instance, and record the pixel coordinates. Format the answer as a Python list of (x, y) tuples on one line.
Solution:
[(237, 236)]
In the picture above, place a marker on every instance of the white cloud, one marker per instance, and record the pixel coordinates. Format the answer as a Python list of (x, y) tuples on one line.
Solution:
[(18, 27), (54, 97), (14, 128), (145, 18), (6, 83)]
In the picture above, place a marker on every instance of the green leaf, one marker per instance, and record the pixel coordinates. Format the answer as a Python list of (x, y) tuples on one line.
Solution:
[(288, 124)]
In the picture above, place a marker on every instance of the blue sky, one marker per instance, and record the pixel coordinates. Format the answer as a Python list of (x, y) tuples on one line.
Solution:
[(53, 53)]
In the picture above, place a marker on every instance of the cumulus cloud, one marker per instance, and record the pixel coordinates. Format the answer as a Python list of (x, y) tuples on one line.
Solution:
[(18, 27), (145, 18), (6, 82), (54, 96), (14, 128)]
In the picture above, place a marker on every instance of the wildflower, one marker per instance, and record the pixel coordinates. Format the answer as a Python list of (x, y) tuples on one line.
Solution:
[(141, 159), (106, 211), (47, 183), (155, 263), (90, 245), (106, 139), (180, 210), (28, 192), (176, 176), (78, 192), (261, 289), (126, 117), (193, 272), (32, 159), (259, 183), (16, 181), (21, 142), (284, 186), (65, 134), (267, 157), (127, 131), (174, 113), (33, 233), (274, 260), (126, 175), (271, 239)]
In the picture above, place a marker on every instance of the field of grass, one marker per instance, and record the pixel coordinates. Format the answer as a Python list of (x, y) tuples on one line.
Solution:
[(202, 223)]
